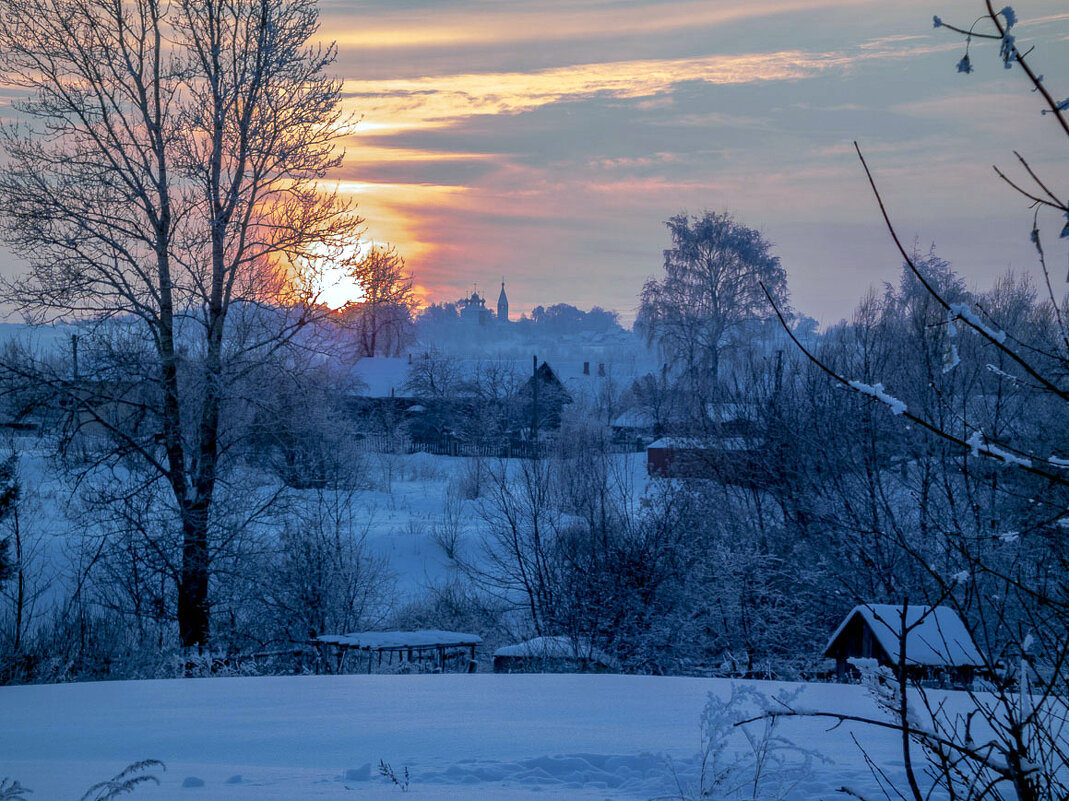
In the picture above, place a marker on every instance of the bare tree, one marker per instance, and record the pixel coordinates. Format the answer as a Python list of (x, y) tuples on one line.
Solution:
[(321, 575), (384, 316), (164, 180), (712, 287), (434, 375)]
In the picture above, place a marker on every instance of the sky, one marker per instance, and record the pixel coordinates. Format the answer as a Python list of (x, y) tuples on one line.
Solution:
[(546, 143)]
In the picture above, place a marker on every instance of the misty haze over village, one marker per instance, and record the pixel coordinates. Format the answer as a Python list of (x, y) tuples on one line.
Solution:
[(595, 399)]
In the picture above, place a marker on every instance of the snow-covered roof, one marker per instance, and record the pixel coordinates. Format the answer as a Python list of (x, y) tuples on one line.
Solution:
[(385, 640), (936, 637), (556, 648), (383, 376), (675, 442), (706, 444)]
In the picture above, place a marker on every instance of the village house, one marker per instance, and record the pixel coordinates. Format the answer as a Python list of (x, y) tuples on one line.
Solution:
[(938, 644)]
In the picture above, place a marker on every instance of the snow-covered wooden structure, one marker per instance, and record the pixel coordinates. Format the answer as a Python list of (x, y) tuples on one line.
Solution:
[(553, 655), (431, 648), (730, 450), (938, 643)]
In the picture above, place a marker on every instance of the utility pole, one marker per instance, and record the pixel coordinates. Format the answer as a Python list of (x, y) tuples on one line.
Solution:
[(534, 398)]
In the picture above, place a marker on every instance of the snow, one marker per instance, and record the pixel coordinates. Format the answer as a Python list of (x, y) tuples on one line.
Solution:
[(674, 442), (1001, 373), (876, 391), (556, 648), (381, 376), (953, 359), (938, 636), (964, 311), (483, 736), (382, 640), (981, 448)]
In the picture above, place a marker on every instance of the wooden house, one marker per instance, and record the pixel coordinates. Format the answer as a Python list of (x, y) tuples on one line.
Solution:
[(938, 644), (543, 397)]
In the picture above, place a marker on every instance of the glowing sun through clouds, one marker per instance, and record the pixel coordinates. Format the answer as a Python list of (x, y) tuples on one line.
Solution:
[(332, 282)]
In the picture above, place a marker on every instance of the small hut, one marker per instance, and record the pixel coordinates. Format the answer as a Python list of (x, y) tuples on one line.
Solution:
[(938, 644), (678, 457), (553, 655)]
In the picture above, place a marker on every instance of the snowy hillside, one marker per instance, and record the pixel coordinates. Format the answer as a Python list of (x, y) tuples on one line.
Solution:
[(459, 736)]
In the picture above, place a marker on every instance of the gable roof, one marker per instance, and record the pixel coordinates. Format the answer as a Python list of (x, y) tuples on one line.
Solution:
[(939, 638), (547, 378)]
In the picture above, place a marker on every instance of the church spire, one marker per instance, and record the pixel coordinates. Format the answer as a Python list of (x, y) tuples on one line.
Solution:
[(502, 304)]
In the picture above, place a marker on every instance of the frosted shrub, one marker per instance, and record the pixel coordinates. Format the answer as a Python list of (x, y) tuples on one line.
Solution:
[(123, 783), (447, 528), (387, 772), (473, 478), (11, 790), (743, 754)]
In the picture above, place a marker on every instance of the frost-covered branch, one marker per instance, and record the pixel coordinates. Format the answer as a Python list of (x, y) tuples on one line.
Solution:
[(1023, 461), (877, 391), (995, 336), (979, 446)]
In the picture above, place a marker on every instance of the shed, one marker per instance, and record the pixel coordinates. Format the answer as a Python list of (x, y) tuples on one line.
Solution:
[(553, 655), (938, 643), (678, 457), (413, 648)]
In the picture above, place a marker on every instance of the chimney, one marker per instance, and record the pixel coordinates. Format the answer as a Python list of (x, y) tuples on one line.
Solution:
[(586, 368)]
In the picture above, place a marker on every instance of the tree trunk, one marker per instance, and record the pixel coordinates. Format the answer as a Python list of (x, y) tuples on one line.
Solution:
[(194, 613), (20, 600)]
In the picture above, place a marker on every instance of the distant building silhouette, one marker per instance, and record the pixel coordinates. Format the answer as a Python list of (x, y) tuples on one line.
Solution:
[(473, 309), (502, 305)]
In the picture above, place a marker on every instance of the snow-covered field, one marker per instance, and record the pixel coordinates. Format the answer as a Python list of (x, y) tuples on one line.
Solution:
[(460, 736)]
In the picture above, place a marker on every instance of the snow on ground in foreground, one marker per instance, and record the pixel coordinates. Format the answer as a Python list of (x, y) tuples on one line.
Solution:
[(486, 737)]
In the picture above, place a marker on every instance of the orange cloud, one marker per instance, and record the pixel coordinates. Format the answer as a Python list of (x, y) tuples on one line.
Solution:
[(389, 105), (394, 105)]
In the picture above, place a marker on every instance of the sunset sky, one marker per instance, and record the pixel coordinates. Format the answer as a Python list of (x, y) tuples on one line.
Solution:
[(547, 142)]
